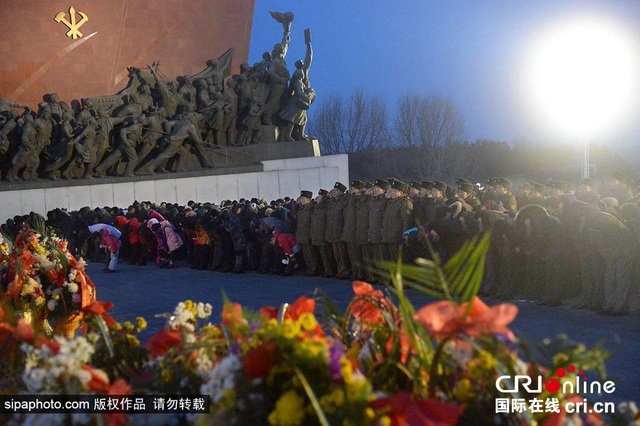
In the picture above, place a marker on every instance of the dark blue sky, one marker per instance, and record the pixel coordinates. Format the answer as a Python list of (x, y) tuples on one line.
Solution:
[(472, 51)]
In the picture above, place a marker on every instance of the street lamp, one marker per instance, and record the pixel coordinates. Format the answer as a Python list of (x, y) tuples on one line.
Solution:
[(582, 75)]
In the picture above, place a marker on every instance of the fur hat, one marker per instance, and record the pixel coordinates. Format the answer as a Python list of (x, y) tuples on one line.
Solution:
[(340, 187)]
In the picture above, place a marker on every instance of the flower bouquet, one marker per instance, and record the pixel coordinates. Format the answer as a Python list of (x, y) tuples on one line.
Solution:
[(41, 281)]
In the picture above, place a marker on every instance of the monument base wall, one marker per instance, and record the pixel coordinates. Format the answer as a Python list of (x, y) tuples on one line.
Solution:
[(269, 179)]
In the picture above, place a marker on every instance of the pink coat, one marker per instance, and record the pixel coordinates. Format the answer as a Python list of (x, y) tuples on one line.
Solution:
[(155, 215), (173, 239), (109, 241)]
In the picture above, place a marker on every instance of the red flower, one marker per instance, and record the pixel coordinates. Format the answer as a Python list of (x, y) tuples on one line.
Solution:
[(232, 315), (444, 318), (259, 361), (403, 409), (23, 331), (268, 312), (364, 310), (162, 341), (100, 309), (119, 387), (59, 279), (99, 383)]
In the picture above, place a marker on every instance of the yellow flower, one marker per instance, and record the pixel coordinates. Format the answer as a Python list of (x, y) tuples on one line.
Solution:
[(370, 413), (128, 327), (166, 375), (141, 324), (39, 300), (133, 339), (482, 366), (346, 370), (385, 421), (290, 329), (308, 321), (289, 410), (188, 305), (464, 390)]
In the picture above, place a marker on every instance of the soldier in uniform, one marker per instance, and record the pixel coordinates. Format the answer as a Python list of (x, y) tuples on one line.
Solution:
[(585, 192), (420, 205), (537, 193), (319, 232), (437, 201), (349, 230), (377, 206), (304, 210), (466, 195), (335, 227), (362, 230), (396, 218), (522, 197), (503, 194)]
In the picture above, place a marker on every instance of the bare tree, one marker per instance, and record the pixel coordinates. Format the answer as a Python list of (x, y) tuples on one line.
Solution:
[(350, 125), (428, 121), (433, 125)]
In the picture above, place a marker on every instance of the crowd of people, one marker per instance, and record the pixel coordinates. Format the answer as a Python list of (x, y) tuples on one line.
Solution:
[(548, 243)]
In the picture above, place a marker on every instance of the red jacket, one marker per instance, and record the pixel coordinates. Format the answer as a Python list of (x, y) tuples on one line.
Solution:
[(285, 241)]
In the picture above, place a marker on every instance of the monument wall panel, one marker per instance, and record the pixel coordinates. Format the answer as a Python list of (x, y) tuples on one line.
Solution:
[(36, 56), (213, 188)]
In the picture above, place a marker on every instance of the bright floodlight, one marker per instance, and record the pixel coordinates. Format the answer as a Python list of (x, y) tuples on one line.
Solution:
[(583, 77)]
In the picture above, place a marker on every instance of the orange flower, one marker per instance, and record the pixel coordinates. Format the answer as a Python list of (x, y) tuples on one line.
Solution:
[(366, 311), (303, 305), (232, 315), (119, 387), (162, 341), (403, 409), (443, 318), (268, 312)]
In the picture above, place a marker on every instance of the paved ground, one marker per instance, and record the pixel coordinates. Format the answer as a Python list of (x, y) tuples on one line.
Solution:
[(147, 291)]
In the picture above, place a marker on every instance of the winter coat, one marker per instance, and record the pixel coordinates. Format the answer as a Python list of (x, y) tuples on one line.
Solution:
[(109, 241), (174, 242), (155, 215), (335, 219), (303, 231), (285, 241), (396, 219), (376, 215)]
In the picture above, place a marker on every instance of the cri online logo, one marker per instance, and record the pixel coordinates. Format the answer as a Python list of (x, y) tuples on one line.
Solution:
[(552, 385)]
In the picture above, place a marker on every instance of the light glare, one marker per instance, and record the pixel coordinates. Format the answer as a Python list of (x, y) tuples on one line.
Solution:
[(582, 77)]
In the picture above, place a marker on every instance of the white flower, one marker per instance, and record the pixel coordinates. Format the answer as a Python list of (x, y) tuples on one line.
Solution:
[(221, 378), (190, 339), (204, 310), (81, 264), (51, 304), (73, 287)]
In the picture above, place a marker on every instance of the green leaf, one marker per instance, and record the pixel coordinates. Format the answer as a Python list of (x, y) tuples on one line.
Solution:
[(322, 418)]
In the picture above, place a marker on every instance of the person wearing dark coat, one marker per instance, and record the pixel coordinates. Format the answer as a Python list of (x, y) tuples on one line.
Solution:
[(335, 227), (318, 233)]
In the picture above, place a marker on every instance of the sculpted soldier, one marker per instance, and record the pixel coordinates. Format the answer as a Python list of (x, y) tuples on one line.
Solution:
[(105, 125), (277, 73), (349, 230), (335, 228), (319, 231), (231, 115), (86, 146), (129, 138), (203, 100), (62, 152), (295, 112), (145, 98), (85, 113), (133, 108), (187, 91), (36, 136), (303, 212), (217, 75), (152, 132), (6, 105), (396, 218), (178, 131), (251, 131), (56, 107), (168, 93)]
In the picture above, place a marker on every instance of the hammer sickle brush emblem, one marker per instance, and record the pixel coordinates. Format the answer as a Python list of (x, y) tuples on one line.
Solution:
[(73, 25)]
